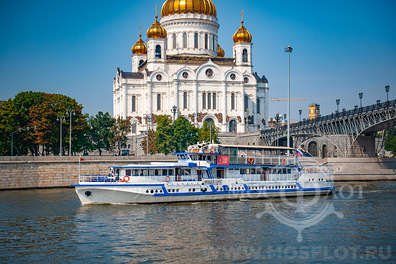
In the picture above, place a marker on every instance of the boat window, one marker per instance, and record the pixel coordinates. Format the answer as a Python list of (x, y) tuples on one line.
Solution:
[(252, 171), (243, 171), (164, 172), (144, 172), (128, 173), (157, 173), (151, 172), (170, 172), (187, 172)]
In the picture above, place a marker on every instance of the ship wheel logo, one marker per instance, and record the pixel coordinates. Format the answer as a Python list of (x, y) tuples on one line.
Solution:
[(300, 212)]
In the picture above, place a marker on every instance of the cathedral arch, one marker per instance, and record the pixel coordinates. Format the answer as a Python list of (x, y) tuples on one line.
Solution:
[(232, 126), (153, 76), (209, 65), (182, 76), (245, 55)]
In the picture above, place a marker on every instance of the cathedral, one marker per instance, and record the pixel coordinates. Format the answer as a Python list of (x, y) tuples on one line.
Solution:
[(181, 70)]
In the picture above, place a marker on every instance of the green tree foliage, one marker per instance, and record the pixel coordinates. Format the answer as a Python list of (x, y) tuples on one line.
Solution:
[(208, 132), (40, 111), (100, 132), (390, 140), (184, 134), (120, 129), (164, 135)]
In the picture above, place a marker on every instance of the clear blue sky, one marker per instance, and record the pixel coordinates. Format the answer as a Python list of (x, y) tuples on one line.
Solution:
[(73, 47)]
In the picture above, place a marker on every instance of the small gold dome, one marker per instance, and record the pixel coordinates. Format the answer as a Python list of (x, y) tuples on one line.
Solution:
[(156, 30), (220, 51), (140, 47), (172, 7), (242, 35)]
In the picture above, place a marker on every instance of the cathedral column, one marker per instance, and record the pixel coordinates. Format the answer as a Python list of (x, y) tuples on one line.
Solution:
[(176, 98), (125, 102), (196, 104), (225, 108)]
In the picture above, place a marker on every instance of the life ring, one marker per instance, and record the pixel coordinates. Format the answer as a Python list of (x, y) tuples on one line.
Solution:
[(167, 179), (126, 179), (284, 161), (251, 160)]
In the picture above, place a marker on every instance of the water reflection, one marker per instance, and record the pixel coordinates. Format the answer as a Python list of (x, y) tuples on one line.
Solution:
[(52, 226)]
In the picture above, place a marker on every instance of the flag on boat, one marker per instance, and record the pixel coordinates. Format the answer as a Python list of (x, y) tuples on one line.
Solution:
[(299, 153), (223, 160)]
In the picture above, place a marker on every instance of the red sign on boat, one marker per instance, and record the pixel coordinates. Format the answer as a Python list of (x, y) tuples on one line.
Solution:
[(223, 160)]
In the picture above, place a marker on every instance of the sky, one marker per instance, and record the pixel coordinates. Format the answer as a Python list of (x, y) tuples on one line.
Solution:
[(73, 47)]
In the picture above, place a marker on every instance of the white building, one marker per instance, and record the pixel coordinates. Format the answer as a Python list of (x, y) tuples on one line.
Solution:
[(183, 65)]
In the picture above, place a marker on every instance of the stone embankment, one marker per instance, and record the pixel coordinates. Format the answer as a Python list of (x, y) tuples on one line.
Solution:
[(54, 172)]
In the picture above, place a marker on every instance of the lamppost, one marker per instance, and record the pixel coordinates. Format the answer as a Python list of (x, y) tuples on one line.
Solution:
[(378, 102), (12, 137), (148, 118), (360, 97), (387, 88), (289, 50), (174, 111), (60, 119), (71, 112), (338, 104), (300, 112)]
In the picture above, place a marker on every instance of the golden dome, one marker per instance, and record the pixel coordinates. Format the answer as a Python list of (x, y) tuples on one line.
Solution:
[(220, 51), (156, 30), (242, 35), (140, 47), (172, 7)]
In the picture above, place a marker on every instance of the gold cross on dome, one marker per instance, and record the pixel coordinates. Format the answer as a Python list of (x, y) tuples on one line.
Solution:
[(242, 16)]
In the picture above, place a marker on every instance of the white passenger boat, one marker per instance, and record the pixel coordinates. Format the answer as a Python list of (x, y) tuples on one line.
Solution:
[(209, 172)]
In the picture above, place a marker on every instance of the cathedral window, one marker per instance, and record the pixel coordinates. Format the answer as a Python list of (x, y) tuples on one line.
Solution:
[(141, 62), (196, 40), (245, 55), (203, 100), (209, 100), (232, 101), (206, 41), (185, 102), (158, 52), (158, 102), (184, 40), (214, 101), (246, 80), (174, 41), (133, 103), (258, 105), (209, 73), (233, 76), (213, 43), (133, 128)]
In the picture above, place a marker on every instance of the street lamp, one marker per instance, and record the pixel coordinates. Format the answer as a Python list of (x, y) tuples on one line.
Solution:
[(289, 50), (338, 104), (300, 112), (71, 112), (148, 119), (360, 97), (387, 88), (60, 119), (174, 111), (12, 137), (378, 102)]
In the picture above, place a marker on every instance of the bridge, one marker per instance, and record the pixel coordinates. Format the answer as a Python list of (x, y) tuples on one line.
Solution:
[(342, 134)]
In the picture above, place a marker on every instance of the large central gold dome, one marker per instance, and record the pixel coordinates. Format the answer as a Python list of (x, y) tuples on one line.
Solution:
[(172, 7)]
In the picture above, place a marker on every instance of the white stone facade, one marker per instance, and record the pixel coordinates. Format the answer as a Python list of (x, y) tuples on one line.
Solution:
[(187, 73)]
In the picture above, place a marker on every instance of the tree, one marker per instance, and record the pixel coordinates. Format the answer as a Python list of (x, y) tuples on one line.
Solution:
[(100, 132), (163, 141), (208, 132), (390, 140), (120, 129), (184, 134), (151, 143)]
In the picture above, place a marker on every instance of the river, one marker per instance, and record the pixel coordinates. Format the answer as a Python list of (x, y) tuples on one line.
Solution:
[(357, 224)]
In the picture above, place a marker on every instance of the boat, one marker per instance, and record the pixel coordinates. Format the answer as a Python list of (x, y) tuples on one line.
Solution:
[(210, 172)]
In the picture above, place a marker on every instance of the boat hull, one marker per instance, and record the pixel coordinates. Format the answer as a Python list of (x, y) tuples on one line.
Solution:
[(133, 195)]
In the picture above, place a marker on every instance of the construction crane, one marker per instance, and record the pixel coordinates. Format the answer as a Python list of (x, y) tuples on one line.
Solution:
[(285, 99)]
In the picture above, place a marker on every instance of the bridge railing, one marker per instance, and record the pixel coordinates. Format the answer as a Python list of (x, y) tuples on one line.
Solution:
[(337, 115)]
